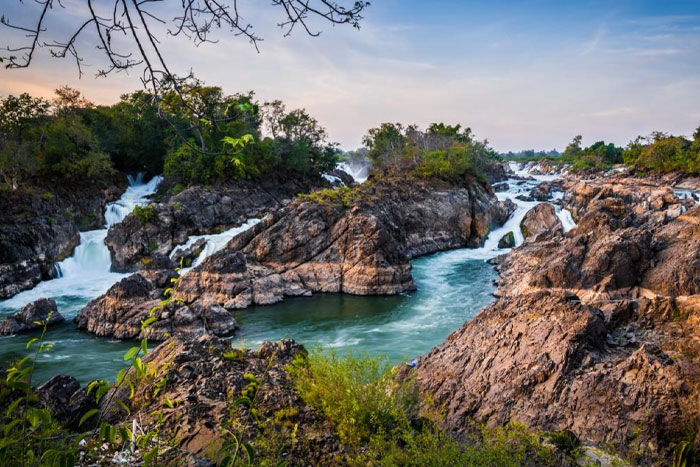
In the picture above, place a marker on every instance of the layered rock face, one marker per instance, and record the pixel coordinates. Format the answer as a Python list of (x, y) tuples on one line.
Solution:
[(38, 229), (120, 311), (594, 331), (204, 378), (360, 245), (197, 211), (29, 317)]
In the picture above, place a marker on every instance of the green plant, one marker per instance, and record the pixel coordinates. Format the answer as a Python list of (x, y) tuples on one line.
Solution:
[(145, 214), (47, 196)]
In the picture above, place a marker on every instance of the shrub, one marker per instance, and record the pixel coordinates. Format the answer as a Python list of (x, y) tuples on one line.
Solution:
[(145, 214)]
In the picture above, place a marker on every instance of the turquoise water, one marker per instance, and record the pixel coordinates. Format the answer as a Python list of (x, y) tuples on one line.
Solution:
[(450, 292)]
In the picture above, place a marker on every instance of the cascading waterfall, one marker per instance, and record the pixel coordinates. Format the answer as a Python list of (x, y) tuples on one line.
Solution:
[(359, 171), (87, 272)]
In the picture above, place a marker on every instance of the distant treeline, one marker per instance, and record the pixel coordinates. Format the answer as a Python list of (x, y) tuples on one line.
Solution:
[(657, 153), (202, 135), (69, 139)]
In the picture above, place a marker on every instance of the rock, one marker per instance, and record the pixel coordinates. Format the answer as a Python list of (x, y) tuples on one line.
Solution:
[(345, 178), (541, 222), (27, 318), (496, 172), (120, 311), (507, 241), (541, 192), (199, 210), (184, 257), (592, 331), (204, 376), (363, 248), (525, 198), (65, 399), (499, 187)]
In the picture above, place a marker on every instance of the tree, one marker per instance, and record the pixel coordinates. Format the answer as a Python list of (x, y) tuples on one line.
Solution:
[(573, 148), (70, 100), (126, 32), (17, 113)]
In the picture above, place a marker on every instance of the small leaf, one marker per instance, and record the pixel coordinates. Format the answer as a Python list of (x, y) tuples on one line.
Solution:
[(29, 344), (123, 406), (89, 414), (131, 353)]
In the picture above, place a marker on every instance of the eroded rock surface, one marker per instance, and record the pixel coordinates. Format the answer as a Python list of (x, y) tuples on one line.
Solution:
[(199, 210), (38, 229), (594, 331), (204, 378), (541, 222), (120, 312)]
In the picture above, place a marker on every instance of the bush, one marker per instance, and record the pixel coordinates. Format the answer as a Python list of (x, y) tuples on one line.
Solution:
[(381, 420), (145, 214)]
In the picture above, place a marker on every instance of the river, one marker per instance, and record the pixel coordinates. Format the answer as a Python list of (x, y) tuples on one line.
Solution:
[(452, 287)]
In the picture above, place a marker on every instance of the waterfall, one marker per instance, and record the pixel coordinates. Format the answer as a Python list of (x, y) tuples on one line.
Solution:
[(359, 171), (87, 272)]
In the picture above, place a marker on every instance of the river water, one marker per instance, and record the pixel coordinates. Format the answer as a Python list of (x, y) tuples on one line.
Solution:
[(452, 287)]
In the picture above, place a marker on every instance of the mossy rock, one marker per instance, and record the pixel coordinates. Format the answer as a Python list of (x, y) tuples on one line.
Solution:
[(507, 241)]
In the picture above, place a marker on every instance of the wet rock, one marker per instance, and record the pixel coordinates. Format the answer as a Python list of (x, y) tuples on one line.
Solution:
[(184, 257), (541, 192), (345, 178), (541, 222), (507, 241), (33, 313), (525, 198), (500, 187), (40, 226), (199, 210)]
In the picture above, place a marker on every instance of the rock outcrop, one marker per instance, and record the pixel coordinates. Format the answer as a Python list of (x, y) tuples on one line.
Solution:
[(39, 229), (199, 210), (360, 243), (541, 222), (594, 331), (120, 312), (205, 377), (507, 241), (27, 318)]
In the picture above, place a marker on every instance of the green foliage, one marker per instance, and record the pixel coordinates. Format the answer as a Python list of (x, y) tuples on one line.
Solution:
[(380, 420), (441, 151), (661, 152), (145, 214), (597, 156)]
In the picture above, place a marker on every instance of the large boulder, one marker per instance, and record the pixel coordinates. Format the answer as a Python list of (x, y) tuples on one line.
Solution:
[(66, 400), (204, 377), (120, 312), (30, 317), (541, 222)]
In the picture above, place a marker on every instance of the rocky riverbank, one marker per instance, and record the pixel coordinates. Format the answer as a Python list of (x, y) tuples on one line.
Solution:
[(593, 331), (41, 226), (351, 240)]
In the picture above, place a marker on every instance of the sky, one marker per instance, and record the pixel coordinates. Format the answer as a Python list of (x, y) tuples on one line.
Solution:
[(522, 74)]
